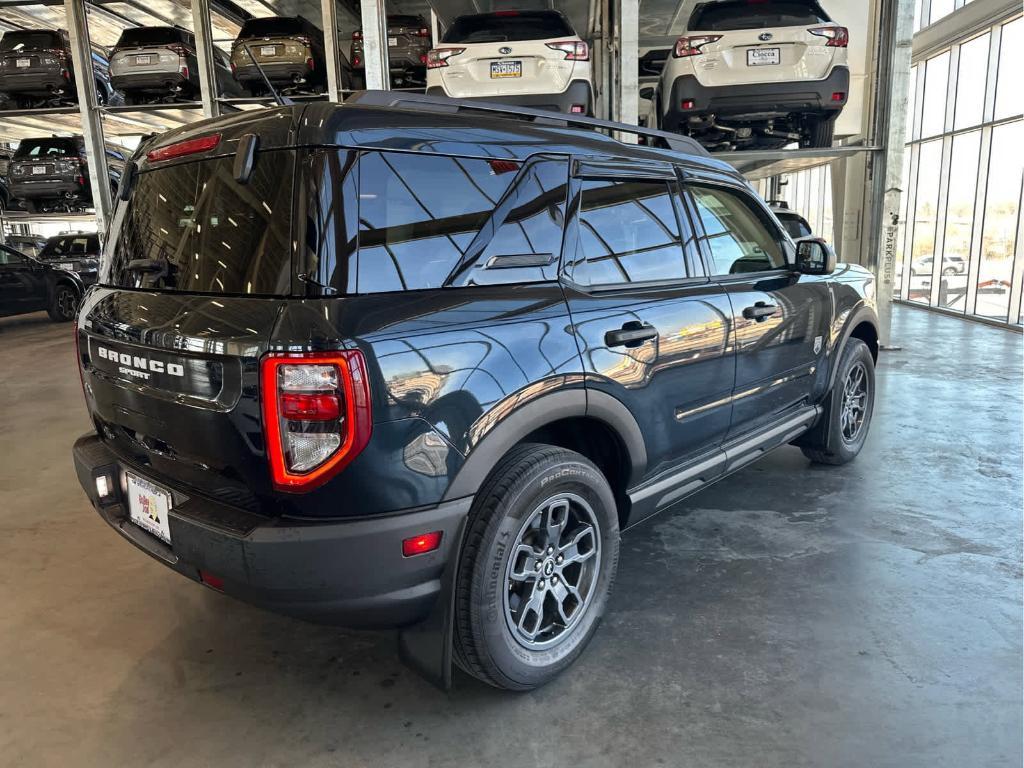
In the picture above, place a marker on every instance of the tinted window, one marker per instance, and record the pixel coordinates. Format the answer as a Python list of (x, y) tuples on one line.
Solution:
[(192, 227), (20, 41), (152, 35), (628, 233), (419, 214), (72, 245), (10, 258), (737, 238), (510, 25), (46, 148), (716, 17), (274, 25)]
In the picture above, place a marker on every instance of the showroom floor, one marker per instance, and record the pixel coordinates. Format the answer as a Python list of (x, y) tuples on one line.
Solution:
[(793, 615)]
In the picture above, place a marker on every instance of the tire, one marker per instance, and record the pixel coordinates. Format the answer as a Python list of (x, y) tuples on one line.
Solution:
[(819, 133), (837, 441), (950, 272), (534, 484), (64, 304)]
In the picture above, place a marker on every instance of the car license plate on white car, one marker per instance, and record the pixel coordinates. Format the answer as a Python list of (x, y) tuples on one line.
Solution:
[(148, 506), (23, 62), (506, 69), (142, 59), (759, 57), (268, 50)]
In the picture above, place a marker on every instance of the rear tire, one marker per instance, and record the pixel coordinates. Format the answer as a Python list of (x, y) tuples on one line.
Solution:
[(538, 562), (64, 305), (819, 133), (848, 409)]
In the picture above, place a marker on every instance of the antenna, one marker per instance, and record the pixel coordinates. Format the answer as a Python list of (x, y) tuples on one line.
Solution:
[(282, 101)]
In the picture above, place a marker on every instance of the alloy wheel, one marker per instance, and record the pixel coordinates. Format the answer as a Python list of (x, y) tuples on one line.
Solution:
[(855, 403), (67, 303)]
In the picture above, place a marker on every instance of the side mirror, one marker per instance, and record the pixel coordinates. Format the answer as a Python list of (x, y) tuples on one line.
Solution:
[(814, 256), (647, 93)]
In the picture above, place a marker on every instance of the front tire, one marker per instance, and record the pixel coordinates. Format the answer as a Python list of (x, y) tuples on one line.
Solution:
[(540, 555), (64, 305), (848, 409)]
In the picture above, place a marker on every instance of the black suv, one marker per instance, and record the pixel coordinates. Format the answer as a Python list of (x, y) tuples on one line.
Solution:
[(52, 174), (77, 252), (416, 363), (36, 69), (30, 285)]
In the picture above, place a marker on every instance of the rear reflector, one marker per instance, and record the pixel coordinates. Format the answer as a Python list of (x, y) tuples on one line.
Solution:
[(838, 96), (182, 148), (577, 109), (216, 582), (686, 104), (419, 545)]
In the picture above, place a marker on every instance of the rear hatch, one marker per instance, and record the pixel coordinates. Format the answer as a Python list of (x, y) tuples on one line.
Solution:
[(278, 40), (408, 40), (194, 276), (755, 42), (148, 49), (509, 53), (25, 50), (46, 160)]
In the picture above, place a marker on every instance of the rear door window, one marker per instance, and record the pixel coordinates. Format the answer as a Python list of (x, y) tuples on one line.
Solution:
[(192, 227)]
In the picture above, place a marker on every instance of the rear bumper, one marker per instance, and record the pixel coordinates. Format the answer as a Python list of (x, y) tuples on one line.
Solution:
[(348, 573), (279, 73), (800, 96), (37, 80), (48, 189), (167, 80), (578, 92)]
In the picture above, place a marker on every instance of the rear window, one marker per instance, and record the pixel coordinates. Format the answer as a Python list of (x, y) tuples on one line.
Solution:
[(509, 25), (21, 41), (151, 36), (750, 14), (192, 227), (30, 148), (405, 21), (70, 245), (274, 25)]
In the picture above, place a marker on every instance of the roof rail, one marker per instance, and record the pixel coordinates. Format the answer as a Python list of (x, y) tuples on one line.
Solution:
[(663, 139)]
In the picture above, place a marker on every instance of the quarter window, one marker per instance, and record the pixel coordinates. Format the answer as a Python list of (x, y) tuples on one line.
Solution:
[(737, 239)]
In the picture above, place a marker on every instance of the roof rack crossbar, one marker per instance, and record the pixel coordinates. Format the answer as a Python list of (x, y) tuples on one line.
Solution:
[(673, 141)]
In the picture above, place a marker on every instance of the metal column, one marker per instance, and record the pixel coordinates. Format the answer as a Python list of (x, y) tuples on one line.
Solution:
[(92, 123), (203, 31), (627, 99), (891, 103), (329, 16), (375, 49)]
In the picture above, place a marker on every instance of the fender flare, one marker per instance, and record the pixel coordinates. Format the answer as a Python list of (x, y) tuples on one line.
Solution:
[(538, 413), (862, 313)]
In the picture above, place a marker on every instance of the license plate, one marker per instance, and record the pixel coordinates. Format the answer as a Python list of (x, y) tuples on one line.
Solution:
[(23, 62), (142, 59), (67, 266), (506, 69), (148, 506), (392, 42), (759, 57), (268, 50), (38, 170)]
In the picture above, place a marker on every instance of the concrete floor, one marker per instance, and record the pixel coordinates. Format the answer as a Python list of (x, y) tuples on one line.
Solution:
[(790, 616)]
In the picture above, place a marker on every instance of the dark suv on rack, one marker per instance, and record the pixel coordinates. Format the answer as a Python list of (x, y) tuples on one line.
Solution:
[(408, 362), (52, 173), (36, 69), (408, 44), (289, 50)]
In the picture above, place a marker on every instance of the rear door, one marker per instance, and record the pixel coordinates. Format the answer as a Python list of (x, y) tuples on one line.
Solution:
[(780, 318), (653, 331), (22, 283)]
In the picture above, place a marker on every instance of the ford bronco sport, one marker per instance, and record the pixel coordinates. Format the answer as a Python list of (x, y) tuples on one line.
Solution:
[(407, 362)]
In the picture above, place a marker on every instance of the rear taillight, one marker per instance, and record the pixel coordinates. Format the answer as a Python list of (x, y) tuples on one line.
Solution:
[(422, 32), (178, 48), (438, 57), (182, 148), (838, 37), (691, 45), (310, 64), (302, 40), (316, 415), (574, 50), (357, 35)]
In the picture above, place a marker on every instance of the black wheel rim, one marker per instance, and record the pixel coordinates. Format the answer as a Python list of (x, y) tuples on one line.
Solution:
[(552, 571), (66, 303), (855, 403)]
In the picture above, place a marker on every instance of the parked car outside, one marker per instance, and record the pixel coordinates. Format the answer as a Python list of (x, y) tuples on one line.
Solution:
[(52, 174), (290, 49), (756, 74), (529, 58), (29, 285), (951, 265), (77, 252), (408, 45), (421, 374), (36, 69), (154, 64)]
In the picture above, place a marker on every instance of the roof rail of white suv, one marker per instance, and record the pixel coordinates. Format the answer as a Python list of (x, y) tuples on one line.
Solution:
[(665, 140)]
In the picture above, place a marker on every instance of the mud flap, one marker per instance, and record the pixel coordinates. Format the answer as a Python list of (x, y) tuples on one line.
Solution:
[(427, 647)]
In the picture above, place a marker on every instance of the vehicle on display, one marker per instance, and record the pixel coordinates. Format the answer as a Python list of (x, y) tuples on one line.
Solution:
[(36, 69), (29, 285), (529, 58), (796, 226), (951, 265), (748, 74), (377, 369), (30, 245), (52, 174), (77, 252), (160, 64), (289, 50), (408, 45)]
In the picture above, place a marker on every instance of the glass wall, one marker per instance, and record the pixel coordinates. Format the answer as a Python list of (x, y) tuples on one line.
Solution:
[(962, 175)]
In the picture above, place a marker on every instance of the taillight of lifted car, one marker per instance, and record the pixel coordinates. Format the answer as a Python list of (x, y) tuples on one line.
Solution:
[(838, 37), (691, 45), (316, 415), (438, 57), (574, 50)]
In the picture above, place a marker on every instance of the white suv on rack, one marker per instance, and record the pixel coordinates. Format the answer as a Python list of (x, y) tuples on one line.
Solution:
[(749, 73), (528, 58)]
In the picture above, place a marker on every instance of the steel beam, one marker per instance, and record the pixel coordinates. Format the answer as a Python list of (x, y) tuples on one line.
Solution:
[(203, 30), (329, 17), (375, 48), (627, 79), (92, 122)]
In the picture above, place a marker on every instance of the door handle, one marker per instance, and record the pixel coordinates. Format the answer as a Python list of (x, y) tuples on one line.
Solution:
[(631, 334), (760, 311)]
